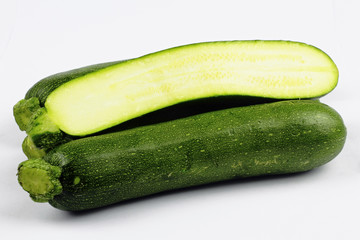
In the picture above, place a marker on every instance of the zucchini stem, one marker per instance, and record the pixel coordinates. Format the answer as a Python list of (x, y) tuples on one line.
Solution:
[(31, 150), (43, 133), (24, 110), (40, 179)]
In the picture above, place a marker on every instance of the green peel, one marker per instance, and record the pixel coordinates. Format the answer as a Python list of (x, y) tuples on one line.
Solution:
[(40, 179)]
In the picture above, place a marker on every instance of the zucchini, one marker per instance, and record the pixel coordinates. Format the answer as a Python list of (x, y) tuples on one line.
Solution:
[(263, 139), (88, 100)]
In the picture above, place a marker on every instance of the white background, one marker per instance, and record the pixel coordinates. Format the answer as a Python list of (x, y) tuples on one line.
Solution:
[(39, 38)]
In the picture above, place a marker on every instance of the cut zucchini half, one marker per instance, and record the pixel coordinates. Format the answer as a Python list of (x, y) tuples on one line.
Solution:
[(125, 90)]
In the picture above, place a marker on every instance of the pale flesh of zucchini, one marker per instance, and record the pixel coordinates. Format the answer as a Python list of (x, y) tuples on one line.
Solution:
[(271, 69)]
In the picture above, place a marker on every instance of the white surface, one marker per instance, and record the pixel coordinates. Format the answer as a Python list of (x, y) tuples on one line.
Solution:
[(39, 38)]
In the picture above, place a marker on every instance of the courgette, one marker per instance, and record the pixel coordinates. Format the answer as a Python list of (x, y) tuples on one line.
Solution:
[(87, 100), (263, 139)]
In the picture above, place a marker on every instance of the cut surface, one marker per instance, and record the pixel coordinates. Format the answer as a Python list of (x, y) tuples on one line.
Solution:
[(39, 179), (272, 69)]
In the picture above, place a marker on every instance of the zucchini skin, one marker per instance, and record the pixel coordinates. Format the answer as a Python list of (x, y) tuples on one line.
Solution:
[(265, 139)]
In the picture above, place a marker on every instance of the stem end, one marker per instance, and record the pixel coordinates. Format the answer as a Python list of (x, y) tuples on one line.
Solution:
[(40, 179)]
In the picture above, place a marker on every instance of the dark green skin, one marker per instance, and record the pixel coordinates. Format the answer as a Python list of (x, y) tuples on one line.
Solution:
[(44, 87), (265, 139)]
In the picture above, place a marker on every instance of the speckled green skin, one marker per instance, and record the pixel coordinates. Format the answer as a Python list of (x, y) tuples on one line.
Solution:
[(44, 87), (265, 139)]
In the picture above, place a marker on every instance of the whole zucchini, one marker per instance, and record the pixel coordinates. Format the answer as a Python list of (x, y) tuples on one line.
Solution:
[(87, 100), (264, 139)]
